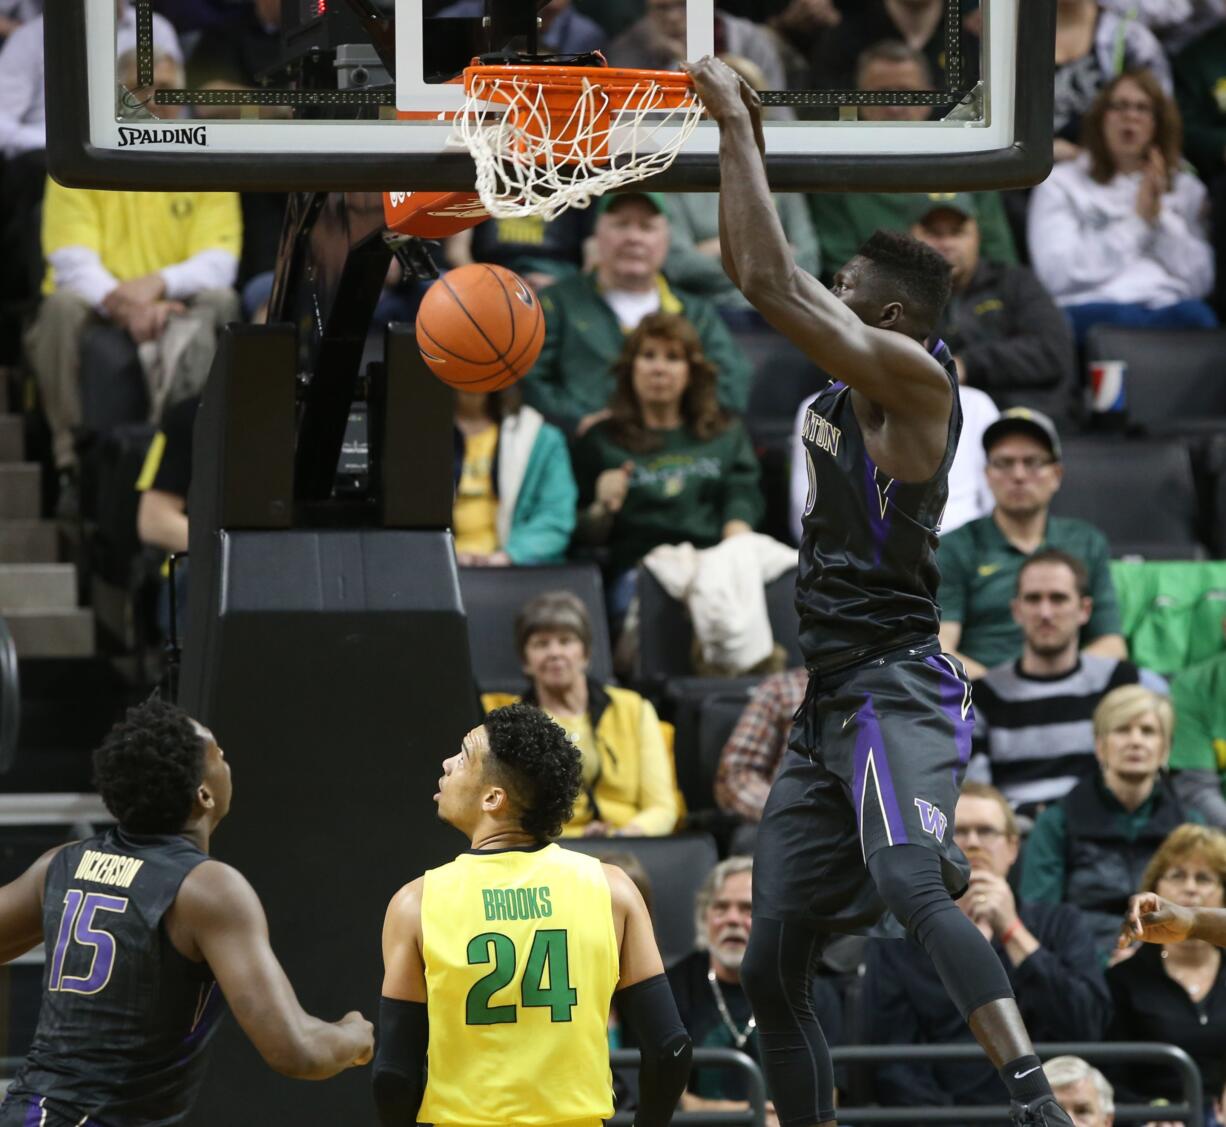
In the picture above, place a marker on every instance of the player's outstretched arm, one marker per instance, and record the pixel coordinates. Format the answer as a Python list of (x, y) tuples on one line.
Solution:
[(21, 909), (404, 1026), (646, 1004), (1151, 919), (221, 915), (889, 368)]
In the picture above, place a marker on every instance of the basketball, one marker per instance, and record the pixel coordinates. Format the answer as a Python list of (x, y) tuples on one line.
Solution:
[(480, 327)]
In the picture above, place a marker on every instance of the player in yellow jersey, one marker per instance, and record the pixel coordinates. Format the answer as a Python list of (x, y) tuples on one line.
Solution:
[(500, 966)]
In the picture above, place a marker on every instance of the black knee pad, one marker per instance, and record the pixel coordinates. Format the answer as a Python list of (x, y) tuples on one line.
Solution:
[(760, 967), (909, 880), (777, 969)]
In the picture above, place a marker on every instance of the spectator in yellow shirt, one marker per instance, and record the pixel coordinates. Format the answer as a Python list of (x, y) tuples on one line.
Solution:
[(159, 265), (629, 784)]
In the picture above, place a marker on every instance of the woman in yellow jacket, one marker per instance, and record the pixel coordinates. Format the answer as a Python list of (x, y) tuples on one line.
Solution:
[(629, 783)]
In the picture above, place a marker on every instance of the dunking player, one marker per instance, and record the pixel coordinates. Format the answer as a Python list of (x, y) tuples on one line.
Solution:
[(858, 819), (144, 936), (501, 964)]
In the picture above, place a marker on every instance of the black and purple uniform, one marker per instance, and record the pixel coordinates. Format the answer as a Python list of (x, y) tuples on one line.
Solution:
[(880, 745), (126, 1019)]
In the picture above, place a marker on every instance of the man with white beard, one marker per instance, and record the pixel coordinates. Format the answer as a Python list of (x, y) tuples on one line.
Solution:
[(707, 986)]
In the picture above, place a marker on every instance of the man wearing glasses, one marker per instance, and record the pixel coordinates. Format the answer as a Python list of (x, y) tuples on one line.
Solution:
[(980, 561), (1046, 950)]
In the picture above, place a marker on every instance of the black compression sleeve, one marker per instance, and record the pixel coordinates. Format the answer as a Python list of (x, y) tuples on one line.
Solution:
[(650, 1011), (400, 1062)]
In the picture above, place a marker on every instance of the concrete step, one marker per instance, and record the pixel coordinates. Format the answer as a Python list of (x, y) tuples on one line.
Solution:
[(12, 438), (28, 541), (19, 490), (52, 633), (37, 586)]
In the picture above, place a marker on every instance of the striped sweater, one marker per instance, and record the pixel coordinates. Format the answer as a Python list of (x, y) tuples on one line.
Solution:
[(1034, 736)]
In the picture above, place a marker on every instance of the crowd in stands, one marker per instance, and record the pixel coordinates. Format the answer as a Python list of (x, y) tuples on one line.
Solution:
[(660, 412)]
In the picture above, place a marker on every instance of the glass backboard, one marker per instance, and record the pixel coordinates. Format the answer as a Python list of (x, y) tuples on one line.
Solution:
[(356, 94)]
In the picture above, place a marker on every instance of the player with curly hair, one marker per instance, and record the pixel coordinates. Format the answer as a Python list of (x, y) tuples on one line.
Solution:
[(502, 964), (145, 938)]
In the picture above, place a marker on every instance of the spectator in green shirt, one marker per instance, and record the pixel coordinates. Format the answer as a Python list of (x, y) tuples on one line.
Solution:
[(979, 562), (668, 465), (1199, 751), (588, 316)]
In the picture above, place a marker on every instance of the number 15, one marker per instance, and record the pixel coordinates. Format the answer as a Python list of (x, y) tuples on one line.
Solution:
[(77, 925)]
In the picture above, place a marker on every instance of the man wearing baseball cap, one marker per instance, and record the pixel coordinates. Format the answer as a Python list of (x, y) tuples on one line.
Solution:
[(587, 317), (1008, 337), (980, 561)]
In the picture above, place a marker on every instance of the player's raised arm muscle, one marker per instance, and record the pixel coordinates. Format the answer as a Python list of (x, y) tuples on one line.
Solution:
[(21, 909), (224, 918), (638, 955), (404, 969), (893, 371), (889, 368)]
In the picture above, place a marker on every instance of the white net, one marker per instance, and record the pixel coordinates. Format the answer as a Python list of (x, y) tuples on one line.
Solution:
[(539, 150)]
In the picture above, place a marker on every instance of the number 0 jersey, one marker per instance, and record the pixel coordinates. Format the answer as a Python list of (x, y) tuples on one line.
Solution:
[(521, 961), (868, 577), (125, 1018)]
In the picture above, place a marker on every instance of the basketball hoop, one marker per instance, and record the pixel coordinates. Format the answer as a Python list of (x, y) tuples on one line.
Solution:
[(547, 138)]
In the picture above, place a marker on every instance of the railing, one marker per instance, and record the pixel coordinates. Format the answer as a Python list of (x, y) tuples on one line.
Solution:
[(755, 1116), (1190, 1112), (10, 697)]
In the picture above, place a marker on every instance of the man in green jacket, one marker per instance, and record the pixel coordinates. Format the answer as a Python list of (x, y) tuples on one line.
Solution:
[(1007, 335), (587, 317)]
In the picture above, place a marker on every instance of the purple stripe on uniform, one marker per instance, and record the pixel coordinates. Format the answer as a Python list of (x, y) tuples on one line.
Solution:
[(34, 1114), (953, 694), (878, 521), (869, 739), (936, 348)]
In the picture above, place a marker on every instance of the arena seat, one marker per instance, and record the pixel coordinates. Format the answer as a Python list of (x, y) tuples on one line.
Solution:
[(1212, 476), (492, 598), (1174, 381), (782, 378), (676, 866), (717, 718), (666, 635), (1140, 494), (113, 387)]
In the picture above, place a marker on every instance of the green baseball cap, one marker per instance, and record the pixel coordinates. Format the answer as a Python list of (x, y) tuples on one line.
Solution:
[(611, 199), (961, 202)]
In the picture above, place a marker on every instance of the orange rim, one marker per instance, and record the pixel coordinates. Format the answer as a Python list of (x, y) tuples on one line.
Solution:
[(563, 83)]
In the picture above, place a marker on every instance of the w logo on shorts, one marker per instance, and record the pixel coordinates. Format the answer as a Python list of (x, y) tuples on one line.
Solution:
[(932, 821)]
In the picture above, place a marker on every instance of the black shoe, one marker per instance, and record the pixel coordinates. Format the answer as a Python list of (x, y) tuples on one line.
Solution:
[(1044, 1112)]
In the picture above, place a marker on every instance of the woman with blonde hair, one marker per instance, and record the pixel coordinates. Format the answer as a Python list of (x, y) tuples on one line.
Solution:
[(1176, 992), (1091, 848)]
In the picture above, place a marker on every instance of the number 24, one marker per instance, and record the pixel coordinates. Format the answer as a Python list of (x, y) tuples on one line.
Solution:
[(548, 951)]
